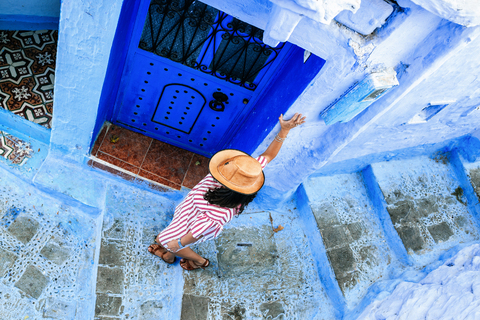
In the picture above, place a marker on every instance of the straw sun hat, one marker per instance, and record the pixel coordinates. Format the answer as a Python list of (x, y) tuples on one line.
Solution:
[(237, 171)]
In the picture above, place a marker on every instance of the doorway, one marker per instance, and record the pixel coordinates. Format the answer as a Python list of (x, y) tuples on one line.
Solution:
[(192, 75)]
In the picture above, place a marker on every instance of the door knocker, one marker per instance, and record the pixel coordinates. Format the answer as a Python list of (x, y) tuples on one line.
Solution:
[(218, 103)]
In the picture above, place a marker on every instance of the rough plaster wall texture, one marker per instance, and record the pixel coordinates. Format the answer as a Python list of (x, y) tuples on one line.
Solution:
[(445, 69), (46, 8), (86, 33), (371, 15), (88, 186), (314, 141), (243, 10), (397, 40), (321, 11), (326, 41), (476, 133), (464, 12)]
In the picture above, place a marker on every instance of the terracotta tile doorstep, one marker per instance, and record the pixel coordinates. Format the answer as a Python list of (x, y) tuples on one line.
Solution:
[(111, 170), (126, 145), (197, 171), (167, 161), (155, 178), (98, 142), (118, 163)]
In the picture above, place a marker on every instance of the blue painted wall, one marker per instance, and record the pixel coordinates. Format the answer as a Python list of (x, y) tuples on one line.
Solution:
[(39, 8), (116, 62), (280, 93), (435, 60), (442, 68), (86, 33), (29, 14)]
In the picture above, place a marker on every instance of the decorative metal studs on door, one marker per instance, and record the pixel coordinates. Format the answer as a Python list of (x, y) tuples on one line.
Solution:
[(206, 39), (179, 107)]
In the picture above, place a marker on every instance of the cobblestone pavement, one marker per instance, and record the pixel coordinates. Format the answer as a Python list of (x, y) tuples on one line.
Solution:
[(61, 261), (47, 252)]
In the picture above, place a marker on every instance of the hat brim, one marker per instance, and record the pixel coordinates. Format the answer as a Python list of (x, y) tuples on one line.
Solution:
[(223, 155)]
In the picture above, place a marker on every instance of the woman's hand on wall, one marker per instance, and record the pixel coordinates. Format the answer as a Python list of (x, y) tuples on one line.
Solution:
[(285, 127), (295, 121)]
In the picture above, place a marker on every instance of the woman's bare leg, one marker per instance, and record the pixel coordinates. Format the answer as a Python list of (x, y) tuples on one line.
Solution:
[(185, 253)]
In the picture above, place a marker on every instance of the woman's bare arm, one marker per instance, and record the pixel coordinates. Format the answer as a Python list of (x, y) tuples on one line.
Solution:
[(186, 239), (285, 127)]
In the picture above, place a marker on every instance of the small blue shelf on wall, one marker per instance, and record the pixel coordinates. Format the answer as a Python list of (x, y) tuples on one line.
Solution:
[(360, 96)]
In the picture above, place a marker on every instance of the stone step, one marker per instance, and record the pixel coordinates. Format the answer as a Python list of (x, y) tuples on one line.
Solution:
[(345, 234), (427, 206), (131, 282), (257, 273)]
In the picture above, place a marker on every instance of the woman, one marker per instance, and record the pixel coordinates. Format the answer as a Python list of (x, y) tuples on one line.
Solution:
[(232, 184)]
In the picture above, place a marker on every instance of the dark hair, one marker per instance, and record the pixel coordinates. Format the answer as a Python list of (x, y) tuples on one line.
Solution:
[(228, 198)]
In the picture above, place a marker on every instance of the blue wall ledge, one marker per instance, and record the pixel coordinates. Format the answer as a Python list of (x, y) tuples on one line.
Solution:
[(23, 22)]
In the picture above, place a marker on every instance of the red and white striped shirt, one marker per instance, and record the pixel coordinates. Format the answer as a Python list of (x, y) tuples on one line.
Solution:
[(194, 214)]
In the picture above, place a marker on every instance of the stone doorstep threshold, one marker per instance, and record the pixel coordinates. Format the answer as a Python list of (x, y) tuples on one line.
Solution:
[(134, 176)]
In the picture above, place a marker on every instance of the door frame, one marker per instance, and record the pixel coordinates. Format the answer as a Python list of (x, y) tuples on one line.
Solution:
[(242, 116)]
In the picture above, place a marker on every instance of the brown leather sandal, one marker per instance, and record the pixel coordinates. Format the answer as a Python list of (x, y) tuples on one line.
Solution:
[(186, 264), (162, 252)]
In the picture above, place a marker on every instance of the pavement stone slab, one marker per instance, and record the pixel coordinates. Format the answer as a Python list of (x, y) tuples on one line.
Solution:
[(110, 280), (426, 205), (32, 282), (112, 253), (233, 311), (272, 310), (107, 305), (24, 228), (342, 261), (7, 259), (440, 232), (151, 310), (114, 230), (56, 251), (194, 307), (237, 253), (473, 172), (59, 309), (349, 228)]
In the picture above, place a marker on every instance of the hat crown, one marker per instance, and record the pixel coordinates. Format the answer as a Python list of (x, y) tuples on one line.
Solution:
[(242, 170), (237, 171)]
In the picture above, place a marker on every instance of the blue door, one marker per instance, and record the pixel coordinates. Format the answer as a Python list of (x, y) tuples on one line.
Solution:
[(193, 74)]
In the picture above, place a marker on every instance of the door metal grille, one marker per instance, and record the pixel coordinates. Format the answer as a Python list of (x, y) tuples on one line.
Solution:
[(206, 39)]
